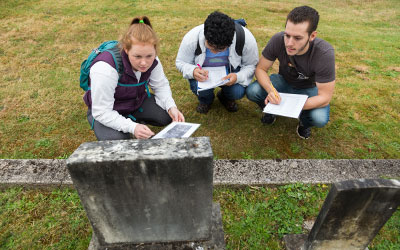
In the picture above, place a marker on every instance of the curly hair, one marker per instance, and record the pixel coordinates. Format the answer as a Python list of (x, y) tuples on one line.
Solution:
[(304, 14), (219, 30)]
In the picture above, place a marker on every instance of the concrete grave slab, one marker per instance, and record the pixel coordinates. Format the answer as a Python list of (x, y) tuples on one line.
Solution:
[(259, 172), (376, 168), (49, 173), (31, 173)]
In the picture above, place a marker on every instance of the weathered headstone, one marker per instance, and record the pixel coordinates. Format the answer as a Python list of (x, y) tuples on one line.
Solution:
[(148, 193), (351, 216)]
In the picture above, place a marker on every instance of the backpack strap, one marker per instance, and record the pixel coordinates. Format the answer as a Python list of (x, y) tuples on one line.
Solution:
[(116, 54), (198, 49), (240, 38)]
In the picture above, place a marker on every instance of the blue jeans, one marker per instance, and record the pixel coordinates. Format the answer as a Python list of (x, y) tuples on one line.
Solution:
[(317, 117), (233, 92)]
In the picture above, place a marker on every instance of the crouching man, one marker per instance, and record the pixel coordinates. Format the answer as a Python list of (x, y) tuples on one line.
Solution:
[(217, 43), (306, 66)]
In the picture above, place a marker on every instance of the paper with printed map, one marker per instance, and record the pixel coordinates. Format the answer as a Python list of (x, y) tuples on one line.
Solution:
[(177, 130)]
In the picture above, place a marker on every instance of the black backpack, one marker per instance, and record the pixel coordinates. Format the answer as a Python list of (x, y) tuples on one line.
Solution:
[(240, 37)]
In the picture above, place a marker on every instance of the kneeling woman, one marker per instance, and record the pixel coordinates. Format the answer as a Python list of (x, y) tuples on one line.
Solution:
[(120, 104)]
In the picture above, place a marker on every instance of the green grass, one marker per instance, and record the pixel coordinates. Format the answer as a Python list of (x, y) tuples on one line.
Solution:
[(42, 220), (253, 217), (43, 43)]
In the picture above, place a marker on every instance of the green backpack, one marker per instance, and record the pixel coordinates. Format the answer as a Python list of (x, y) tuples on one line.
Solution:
[(110, 46)]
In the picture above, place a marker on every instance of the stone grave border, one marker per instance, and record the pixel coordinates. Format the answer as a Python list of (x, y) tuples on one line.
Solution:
[(52, 173)]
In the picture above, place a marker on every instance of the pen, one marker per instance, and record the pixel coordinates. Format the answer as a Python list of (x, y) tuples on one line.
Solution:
[(198, 65), (276, 93)]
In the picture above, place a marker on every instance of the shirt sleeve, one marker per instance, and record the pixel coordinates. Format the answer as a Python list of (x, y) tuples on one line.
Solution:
[(104, 80), (325, 67), (160, 85), (185, 59), (272, 50)]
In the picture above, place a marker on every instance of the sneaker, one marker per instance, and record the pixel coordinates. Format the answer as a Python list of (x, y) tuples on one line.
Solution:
[(203, 108), (230, 105), (261, 106), (268, 119), (303, 132)]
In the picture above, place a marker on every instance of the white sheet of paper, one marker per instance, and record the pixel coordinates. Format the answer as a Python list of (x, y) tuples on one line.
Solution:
[(290, 106), (177, 130), (215, 75)]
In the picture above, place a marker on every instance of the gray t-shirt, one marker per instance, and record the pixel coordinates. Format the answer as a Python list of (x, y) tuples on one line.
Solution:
[(316, 65)]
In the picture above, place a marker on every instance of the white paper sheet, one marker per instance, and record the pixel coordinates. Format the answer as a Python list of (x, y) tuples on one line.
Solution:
[(177, 130), (215, 75), (290, 106)]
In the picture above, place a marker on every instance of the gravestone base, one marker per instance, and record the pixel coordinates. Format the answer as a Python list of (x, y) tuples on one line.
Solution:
[(216, 241), (296, 241)]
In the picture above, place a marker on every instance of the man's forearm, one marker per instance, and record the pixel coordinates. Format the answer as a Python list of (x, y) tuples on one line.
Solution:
[(325, 93), (317, 101), (263, 79)]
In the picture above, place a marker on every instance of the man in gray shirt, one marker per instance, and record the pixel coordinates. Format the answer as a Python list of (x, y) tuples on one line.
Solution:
[(306, 66)]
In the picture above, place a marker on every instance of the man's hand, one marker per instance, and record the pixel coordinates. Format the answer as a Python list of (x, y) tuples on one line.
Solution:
[(273, 97), (232, 79), (143, 132), (200, 75), (176, 115)]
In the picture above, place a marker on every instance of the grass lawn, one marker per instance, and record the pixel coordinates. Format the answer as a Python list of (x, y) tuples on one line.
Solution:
[(42, 115), (43, 42), (253, 217)]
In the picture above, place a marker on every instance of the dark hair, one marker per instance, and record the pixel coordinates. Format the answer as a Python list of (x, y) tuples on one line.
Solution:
[(304, 14), (219, 30), (140, 30)]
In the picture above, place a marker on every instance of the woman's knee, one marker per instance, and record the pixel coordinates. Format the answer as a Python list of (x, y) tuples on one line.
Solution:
[(165, 120), (104, 133), (159, 119)]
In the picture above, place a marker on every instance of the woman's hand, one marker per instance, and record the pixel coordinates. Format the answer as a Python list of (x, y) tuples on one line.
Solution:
[(143, 132), (176, 115)]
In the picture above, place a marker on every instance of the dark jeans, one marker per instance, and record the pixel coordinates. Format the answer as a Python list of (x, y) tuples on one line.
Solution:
[(148, 113), (317, 117), (233, 92)]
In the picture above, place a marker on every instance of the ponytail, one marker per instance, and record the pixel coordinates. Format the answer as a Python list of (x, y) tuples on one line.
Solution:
[(143, 19), (140, 31)]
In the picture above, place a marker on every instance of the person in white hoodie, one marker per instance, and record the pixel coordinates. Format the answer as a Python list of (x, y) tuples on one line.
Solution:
[(212, 44)]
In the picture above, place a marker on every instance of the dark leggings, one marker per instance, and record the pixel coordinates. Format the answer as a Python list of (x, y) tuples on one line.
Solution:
[(151, 114)]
